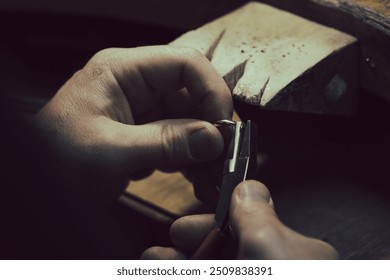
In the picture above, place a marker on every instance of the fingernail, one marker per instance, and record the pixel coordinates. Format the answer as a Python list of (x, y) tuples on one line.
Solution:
[(253, 190), (203, 145)]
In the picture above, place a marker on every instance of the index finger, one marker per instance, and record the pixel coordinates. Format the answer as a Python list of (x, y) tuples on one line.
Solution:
[(189, 231), (145, 74)]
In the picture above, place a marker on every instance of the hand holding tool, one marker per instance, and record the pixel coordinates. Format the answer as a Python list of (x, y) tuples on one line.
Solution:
[(240, 164)]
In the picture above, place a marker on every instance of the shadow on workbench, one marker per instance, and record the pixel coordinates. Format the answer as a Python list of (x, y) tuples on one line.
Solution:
[(329, 176)]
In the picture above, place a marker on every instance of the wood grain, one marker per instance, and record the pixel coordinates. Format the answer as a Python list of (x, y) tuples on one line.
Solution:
[(168, 191), (267, 56), (367, 20), (374, 12)]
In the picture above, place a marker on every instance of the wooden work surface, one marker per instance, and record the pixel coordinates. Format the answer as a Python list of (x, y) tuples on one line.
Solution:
[(168, 191)]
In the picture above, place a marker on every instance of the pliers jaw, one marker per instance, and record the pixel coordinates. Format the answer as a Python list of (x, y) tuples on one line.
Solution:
[(240, 165)]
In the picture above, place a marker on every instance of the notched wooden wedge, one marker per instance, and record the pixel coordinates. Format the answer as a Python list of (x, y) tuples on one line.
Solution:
[(279, 61)]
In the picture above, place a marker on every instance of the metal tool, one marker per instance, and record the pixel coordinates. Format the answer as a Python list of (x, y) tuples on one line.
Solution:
[(240, 165)]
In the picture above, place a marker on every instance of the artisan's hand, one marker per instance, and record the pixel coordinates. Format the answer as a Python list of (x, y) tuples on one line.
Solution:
[(129, 110), (260, 234)]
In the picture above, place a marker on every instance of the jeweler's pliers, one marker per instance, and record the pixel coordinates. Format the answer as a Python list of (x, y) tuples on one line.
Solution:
[(240, 165)]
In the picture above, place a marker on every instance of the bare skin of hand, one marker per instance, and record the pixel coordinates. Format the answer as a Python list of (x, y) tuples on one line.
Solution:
[(130, 110), (259, 232)]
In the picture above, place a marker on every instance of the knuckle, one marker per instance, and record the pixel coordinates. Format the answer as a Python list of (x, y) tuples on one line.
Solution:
[(191, 53), (104, 55), (101, 62), (258, 241)]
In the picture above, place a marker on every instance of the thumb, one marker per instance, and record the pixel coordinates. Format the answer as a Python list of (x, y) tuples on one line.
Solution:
[(168, 143), (251, 207), (252, 200), (252, 217), (262, 235)]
